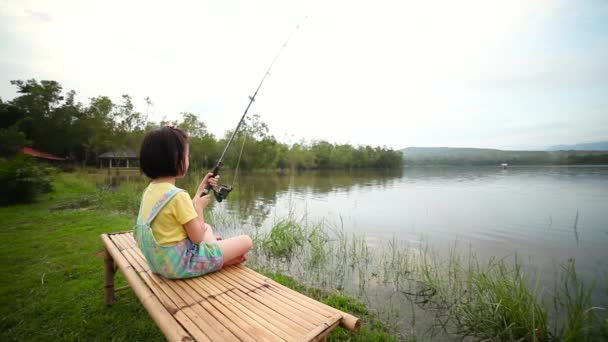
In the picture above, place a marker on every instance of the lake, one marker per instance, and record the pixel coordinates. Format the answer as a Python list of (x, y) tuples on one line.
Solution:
[(544, 213)]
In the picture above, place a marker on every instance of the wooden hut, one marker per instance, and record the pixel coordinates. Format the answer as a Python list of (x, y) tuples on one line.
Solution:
[(123, 158)]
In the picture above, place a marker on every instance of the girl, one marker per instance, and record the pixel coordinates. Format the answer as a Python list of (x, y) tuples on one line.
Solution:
[(171, 230)]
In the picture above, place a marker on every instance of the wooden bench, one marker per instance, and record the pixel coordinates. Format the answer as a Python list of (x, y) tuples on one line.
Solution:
[(234, 304)]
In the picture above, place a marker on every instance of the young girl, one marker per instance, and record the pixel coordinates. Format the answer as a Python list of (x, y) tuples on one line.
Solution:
[(171, 230)]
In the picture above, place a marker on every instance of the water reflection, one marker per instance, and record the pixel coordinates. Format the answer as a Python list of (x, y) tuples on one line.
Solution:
[(113, 178), (256, 194)]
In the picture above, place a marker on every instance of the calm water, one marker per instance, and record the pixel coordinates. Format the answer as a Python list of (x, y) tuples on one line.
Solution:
[(544, 214)]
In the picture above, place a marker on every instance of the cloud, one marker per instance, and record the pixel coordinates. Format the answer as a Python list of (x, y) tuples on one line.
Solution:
[(39, 16), (383, 73)]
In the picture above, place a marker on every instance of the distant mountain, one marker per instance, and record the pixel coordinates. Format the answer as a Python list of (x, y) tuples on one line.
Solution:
[(595, 146), (485, 156)]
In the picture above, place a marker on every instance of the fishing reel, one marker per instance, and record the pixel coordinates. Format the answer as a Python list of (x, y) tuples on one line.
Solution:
[(221, 192)]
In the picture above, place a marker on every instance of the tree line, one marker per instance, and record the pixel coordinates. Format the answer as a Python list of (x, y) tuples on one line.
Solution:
[(42, 116), (478, 156)]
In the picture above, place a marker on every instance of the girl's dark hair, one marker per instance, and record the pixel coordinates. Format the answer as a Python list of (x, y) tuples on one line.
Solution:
[(163, 152)]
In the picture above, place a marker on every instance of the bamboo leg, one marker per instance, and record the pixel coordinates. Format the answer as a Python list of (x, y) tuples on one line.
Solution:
[(109, 271)]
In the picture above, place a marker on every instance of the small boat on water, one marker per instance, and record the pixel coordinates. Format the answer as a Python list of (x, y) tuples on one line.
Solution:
[(504, 166)]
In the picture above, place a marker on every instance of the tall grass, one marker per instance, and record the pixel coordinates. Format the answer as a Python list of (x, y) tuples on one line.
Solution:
[(583, 320)]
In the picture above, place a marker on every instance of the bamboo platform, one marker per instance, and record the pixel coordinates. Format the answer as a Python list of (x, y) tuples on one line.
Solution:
[(234, 304)]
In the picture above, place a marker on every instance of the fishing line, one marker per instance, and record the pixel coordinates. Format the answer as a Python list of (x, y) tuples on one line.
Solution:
[(222, 191)]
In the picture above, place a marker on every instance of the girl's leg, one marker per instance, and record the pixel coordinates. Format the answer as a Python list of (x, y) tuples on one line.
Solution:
[(235, 248), (238, 260)]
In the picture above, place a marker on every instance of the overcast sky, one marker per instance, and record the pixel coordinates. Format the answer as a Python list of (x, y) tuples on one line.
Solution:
[(497, 74)]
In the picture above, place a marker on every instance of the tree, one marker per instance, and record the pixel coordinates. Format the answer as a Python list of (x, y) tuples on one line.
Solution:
[(129, 120), (98, 121), (192, 126), (322, 152), (11, 141)]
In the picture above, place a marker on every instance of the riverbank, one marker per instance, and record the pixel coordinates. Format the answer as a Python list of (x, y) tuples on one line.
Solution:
[(51, 256)]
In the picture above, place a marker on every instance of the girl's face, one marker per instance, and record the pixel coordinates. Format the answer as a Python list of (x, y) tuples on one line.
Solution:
[(186, 161)]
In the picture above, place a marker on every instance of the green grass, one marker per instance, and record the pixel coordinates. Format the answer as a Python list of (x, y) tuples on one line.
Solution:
[(52, 288), (490, 301), (284, 239), (371, 328)]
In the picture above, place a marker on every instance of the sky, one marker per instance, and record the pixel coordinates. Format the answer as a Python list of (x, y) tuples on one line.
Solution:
[(494, 74)]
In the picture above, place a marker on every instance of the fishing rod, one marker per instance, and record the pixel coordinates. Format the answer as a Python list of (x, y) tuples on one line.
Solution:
[(221, 193)]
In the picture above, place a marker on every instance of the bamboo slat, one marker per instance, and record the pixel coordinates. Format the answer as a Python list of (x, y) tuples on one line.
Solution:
[(219, 314), (330, 324), (266, 330), (349, 321), (118, 244), (125, 242), (260, 279), (205, 309), (136, 265), (285, 322), (248, 325), (277, 327), (272, 303), (164, 320), (286, 301), (130, 237), (130, 240), (289, 298), (198, 315)]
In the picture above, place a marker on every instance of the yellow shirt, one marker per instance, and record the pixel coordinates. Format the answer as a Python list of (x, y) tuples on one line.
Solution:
[(168, 226)]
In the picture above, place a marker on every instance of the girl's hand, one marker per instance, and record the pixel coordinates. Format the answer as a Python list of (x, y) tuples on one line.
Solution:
[(200, 203), (209, 179)]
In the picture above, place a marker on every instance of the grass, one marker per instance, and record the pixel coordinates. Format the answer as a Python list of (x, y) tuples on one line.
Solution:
[(284, 239), (582, 321), (492, 301), (371, 328), (51, 259)]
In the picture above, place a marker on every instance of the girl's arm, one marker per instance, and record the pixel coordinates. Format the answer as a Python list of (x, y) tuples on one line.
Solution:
[(196, 228)]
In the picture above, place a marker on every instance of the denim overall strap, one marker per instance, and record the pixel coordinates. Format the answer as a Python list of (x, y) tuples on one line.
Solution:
[(141, 205), (167, 196)]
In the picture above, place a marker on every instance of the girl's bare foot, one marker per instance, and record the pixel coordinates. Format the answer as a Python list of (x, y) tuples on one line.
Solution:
[(219, 237)]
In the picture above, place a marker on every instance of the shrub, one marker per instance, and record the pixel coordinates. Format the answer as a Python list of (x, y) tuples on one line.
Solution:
[(22, 179), (11, 141), (285, 237)]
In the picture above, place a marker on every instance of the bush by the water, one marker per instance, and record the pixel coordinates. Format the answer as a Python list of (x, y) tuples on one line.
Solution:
[(285, 237), (22, 179)]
